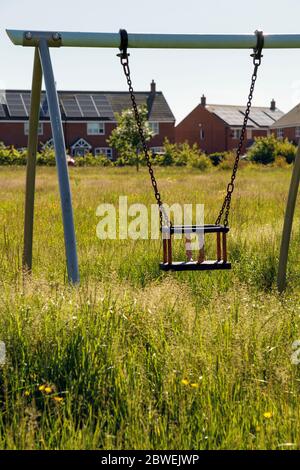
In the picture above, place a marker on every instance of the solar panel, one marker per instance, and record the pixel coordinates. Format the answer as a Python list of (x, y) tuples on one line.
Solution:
[(275, 115), (260, 118), (15, 105), (44, 106), (87, 106), (70, 106), (2, 103), (232, 116), (103, 106), (26, 100)]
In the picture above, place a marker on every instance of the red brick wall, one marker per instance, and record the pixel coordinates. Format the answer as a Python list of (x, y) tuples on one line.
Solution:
[(289, 133), (215, 135), (12, 133)]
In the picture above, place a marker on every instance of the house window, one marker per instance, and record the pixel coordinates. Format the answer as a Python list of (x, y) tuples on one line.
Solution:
[(107, 151), (40, 128), (249, 134), (80, 148), (154, 127), (280, 133), (201, 134), (95, 128), (297, 132), (158, 150), (236, 133)]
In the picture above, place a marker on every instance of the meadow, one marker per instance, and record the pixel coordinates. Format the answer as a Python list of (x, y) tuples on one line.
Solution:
[(135, 358)]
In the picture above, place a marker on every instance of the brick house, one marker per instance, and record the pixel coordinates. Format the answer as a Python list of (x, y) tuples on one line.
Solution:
[(217, 128), (88, 118), (288, 126)]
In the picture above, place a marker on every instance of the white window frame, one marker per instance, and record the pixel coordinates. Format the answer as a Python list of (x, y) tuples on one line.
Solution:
[(158, 150), (249, 134), (236, 133), (107, 151), (40, 128), (80, 144), (95, 128), (297, 132), (154, 126), (280, 133)]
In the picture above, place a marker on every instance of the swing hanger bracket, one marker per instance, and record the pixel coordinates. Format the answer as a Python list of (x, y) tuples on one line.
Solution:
[(257, 51), (123, 46)]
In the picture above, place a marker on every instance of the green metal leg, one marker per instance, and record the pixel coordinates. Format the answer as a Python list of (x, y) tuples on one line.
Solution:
[(288, 222), (31, 161)]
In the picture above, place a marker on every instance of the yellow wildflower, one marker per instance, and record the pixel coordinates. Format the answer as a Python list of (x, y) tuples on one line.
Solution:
[(185, 382), (58, 399), (41, 388), (48, 389), (27, 393), (268, 414)]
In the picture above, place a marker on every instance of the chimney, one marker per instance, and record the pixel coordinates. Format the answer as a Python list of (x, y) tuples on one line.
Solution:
[(203, 101), (153, 87), (273, 105)]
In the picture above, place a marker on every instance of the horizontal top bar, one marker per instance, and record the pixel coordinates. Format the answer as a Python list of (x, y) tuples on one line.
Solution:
[(153, 41)]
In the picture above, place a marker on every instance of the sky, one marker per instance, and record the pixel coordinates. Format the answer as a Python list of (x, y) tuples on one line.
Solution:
[(182, 75)]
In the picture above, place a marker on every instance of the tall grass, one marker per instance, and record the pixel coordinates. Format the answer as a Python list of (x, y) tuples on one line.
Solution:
[(133, 358)]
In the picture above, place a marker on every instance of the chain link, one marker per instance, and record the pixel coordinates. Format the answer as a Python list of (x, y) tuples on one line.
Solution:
[(230, 187), (162, 214)]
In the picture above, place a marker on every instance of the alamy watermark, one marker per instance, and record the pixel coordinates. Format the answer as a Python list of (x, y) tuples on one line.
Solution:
[(140, 222), (2, 353), (295, 357)]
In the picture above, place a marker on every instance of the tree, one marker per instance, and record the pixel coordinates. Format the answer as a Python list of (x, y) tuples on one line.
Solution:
[(125, 138)]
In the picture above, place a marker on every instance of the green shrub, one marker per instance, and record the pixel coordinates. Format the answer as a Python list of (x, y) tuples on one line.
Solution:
[(286, 149), (200, 161), (217, 157), (266, 149), (46, 157), (90, 160)]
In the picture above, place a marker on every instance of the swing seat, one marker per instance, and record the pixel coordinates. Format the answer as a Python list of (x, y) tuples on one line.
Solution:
[(201, 264)]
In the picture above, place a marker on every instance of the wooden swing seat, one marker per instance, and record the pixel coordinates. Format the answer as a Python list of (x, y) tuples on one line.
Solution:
[(201, 264)]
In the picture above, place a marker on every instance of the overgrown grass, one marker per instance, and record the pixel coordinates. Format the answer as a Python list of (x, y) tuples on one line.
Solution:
[(133, 358)]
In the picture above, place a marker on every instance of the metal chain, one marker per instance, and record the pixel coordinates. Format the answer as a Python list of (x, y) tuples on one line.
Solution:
[(230, 188), (162, 214)]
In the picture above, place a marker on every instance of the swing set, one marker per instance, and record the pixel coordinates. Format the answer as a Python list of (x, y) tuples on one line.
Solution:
[(42, 41)]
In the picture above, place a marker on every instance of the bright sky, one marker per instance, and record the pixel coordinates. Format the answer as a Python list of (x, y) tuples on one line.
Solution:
[(182, 75)]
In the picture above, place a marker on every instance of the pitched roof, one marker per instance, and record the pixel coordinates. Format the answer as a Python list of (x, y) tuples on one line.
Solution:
[(84, 105), (290, 119), (260, 116)]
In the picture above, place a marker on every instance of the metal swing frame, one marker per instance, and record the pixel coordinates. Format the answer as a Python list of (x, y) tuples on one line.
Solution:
[(42, 41)]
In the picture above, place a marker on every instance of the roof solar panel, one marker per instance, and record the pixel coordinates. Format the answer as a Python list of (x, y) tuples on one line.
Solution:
[(103, 106), (16, 105), (232, 116), (26, 100), (70, 106), (86, 103), (275, 115), (44, 105), (260, 118)]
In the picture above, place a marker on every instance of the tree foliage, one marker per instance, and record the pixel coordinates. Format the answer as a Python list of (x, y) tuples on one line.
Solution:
[(125, 138)]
